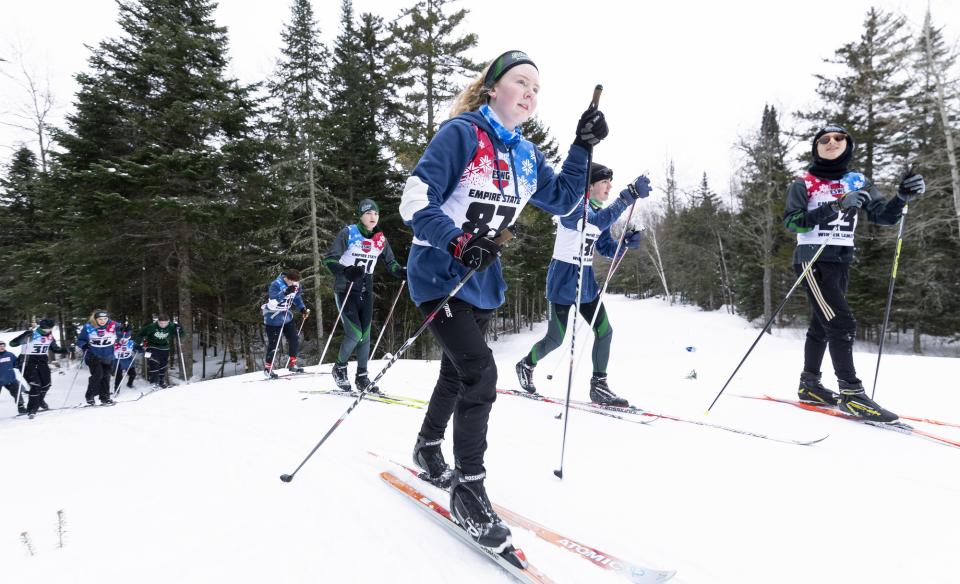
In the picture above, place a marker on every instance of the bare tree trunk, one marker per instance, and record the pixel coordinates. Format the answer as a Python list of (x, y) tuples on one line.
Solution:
[(727, 291), (185, 306), (934, 71), (315, 240), (657, 264)]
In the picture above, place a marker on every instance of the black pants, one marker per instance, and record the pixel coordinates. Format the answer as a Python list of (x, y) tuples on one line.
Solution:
[(131, 375), (14, 389), (357, 316), (37, 374), (290, 333), (99, 383), (157, 365), (556, 330), (831, 321), (467, 386)]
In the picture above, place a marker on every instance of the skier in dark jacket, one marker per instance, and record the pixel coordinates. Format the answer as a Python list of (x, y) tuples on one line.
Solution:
[(10, 376), (283, 294), (470, 185), (34, 364), (562, 279), (352, 258), (822, 208), (155, 339), (124, 352), (96, 339)]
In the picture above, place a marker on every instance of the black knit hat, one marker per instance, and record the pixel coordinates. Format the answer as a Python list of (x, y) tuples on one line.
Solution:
[(599, 172), (504, 63), (367, 205), (101, 313), (46, 323)]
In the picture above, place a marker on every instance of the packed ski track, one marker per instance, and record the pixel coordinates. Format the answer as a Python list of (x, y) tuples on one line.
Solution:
[(183, 484)]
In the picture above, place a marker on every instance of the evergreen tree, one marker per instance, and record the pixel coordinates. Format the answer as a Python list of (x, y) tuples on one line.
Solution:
[(298, 141), (156, 154), (433, 65), (763, 247)]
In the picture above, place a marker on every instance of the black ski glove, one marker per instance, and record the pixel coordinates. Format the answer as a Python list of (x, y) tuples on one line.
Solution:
[(474, 252), (353, 273), (854, 200), (638, 189), (911, 186), (591, 128)]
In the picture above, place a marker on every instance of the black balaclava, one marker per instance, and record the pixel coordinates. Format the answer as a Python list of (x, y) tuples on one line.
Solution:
[(831, 169)]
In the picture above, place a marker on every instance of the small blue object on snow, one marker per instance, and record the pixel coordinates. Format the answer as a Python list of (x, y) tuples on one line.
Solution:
[(691, 349)]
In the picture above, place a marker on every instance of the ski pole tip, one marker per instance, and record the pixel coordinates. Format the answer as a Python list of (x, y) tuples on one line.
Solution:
[(286, 478), (558, 474)]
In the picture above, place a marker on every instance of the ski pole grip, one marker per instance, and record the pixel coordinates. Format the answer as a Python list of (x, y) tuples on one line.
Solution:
[(595, 102)]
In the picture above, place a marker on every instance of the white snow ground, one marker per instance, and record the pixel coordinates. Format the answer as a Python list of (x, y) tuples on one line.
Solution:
[(183, 485)]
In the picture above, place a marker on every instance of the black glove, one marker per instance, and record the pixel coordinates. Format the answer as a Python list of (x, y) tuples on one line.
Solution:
[(591, 128), (638, 189), (473, 251), (911, 186), (402, 273), (632, 239), (291, 289), (353, 273), (854, 200)]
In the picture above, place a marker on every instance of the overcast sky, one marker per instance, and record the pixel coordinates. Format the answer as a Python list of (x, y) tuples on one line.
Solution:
[(683, 80)]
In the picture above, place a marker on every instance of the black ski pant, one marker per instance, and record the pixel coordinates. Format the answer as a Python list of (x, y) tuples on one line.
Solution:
[(99, 383), (290, 333), (36, 372), (357, 316), (831, 320), (467, 386), (157, 365), (131, 374), (14, 389), (556, 330)]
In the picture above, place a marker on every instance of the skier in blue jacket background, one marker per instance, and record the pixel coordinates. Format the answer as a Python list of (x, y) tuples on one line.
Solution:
[(283, 294), (471, 184), (562, 279), (97, 338)]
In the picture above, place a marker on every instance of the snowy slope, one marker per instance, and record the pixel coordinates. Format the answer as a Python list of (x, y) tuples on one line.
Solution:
[(184, 486)]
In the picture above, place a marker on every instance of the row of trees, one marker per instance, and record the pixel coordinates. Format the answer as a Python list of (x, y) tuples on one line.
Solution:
[(174, 188), (894, 92)]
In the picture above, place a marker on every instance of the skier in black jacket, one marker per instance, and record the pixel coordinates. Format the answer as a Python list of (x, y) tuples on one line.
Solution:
[(822, 208)]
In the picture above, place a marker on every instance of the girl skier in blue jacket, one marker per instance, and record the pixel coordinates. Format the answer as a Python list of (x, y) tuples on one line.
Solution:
[(471, 184)]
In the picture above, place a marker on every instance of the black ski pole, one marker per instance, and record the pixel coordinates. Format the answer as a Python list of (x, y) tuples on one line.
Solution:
[(893, 281), (501, 239), (803, 275), (595, 103)]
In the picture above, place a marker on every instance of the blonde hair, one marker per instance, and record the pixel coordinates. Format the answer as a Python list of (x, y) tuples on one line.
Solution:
[(473, 95)]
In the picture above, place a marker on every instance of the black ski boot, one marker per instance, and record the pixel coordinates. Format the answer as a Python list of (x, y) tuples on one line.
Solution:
[(90, 402), (43, 405), (428, 456), (267, 372), (853, 400), (811, 391), (525, 376), (21, 409), (130, 382), (600, 394), (106, 401), (363, 383), (340, 377), (471, 509), (293, 367)]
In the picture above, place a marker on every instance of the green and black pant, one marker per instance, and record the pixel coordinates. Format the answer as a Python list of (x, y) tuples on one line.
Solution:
[(557, 329), (357, 316)]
